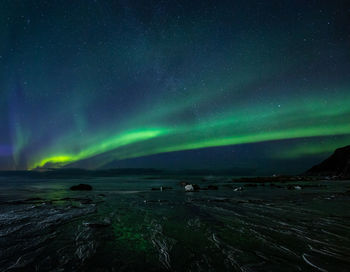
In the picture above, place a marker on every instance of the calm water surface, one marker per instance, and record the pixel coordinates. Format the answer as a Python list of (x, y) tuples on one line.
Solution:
[(122, 225)]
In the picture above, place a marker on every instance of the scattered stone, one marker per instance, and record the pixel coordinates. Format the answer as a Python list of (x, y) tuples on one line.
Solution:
[(196, 187), (81, 187), (189, 188), (294, 187), (192, 188)]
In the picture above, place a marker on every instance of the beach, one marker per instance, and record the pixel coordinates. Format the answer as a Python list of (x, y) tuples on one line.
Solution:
[(127, 224)]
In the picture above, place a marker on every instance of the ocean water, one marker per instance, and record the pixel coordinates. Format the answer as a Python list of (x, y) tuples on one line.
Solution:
[(123, 225)]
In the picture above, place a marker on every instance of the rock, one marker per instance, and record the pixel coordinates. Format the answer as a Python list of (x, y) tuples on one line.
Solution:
[(192, 188), (81, 187), (294, 187), (196, 187), (338, 165), (189, 188)]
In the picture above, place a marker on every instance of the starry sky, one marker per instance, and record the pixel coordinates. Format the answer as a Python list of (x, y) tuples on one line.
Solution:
[(262, 85)]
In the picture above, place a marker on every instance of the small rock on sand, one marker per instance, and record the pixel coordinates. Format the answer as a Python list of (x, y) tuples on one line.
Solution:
[(189, 188)]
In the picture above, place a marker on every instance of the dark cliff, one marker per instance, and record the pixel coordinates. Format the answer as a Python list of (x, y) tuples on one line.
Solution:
[(337, 164)]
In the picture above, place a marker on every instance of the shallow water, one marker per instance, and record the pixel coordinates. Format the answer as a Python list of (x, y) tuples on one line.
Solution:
[(122, 225)]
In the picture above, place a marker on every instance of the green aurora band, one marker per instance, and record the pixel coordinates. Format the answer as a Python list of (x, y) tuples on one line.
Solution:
[(245, 125)]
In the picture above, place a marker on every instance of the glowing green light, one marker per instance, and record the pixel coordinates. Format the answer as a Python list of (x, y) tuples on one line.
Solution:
[(242, 124), (54, 160), (106, 145)]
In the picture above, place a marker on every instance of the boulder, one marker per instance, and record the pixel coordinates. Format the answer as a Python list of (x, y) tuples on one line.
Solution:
[(196, 187), (238, 189), (338, 164), (189, 188), (81, 187), (192, 188)]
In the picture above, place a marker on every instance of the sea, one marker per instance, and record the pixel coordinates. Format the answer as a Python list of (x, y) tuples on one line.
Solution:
[(149, 223)]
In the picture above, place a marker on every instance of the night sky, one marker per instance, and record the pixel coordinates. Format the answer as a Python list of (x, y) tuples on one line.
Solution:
[(263, 85)]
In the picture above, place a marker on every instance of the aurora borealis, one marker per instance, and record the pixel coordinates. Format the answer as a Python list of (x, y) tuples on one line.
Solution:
[(95, 83)]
